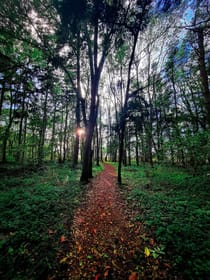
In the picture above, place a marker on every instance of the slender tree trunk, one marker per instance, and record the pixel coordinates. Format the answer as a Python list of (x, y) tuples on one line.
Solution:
[(79, 102), (7, 132), (61, 138), (203, 72), (2, 96), (136, 146), (97, 147), (24, 152), (65, 133), (42, 132), (124, 111), (129, 152), (52, 142), (100, 138), (149, 124), (76, 142), (20, 133)]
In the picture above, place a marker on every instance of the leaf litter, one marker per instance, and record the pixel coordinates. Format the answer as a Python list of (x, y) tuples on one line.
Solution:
[(105, 241)]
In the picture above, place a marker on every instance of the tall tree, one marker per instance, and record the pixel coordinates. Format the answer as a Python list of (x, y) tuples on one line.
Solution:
[(98, 22), (138, 19)]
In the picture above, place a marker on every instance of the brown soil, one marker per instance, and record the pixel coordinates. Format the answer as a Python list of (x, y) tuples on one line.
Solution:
[(106, 242)]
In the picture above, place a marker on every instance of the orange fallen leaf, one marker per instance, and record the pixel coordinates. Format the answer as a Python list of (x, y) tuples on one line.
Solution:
[(63, 238), (98, 276), (133, 276), (94, 230), (106, 273), (79, 248)]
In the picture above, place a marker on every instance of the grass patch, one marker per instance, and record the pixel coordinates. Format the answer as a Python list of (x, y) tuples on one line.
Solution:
[(175, 205), (34, 209)]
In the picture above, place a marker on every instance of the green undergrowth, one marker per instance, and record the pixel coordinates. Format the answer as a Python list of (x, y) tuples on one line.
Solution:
[(36, 209), (97, 169), (175, 205)]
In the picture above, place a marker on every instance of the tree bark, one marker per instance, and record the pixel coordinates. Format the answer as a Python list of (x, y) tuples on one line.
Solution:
[(52, 141), (87, 156), (7, 132), (124, 111), (96, 67), (2, 96), (65, 132), (42, 132), (203, 72)]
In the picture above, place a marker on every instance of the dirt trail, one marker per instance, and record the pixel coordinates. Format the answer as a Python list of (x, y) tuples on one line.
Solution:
[(106, 243)]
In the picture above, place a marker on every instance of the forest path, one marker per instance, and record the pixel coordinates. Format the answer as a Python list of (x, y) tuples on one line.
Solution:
[(105, 241)]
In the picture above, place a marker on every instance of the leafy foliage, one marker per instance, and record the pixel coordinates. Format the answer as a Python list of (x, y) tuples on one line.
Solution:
[(33, 211), (175, 205)]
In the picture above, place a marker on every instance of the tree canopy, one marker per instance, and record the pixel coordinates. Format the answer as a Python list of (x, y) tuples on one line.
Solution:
[(134, 75)]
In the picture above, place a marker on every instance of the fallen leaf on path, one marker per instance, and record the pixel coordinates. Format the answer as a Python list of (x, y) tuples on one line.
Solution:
[(106, 273), (133, 276), (146, 251), (79, 249), (106, 241), (97, 277), (131, 225), (63, 238), (64, 260)]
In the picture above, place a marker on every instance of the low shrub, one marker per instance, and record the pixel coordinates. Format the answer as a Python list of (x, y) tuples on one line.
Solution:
[(175, 204)]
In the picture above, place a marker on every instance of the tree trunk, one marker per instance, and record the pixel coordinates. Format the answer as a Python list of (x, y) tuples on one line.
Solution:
[(42, 132), (97, 147), (95, 73), (52, 141), (20, 133), (76, 142), (7, 133), (24, 140), (100, 139), (137, 146), (65, 133), (203, 72), (2, 96), (124, 111), (87, 156)]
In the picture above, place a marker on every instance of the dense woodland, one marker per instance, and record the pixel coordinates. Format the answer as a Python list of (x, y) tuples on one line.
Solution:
[(115, 80), (85, 82)]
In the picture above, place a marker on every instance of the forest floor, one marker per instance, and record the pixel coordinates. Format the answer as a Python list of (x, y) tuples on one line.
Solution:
[(153, 226), (105, 241)]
